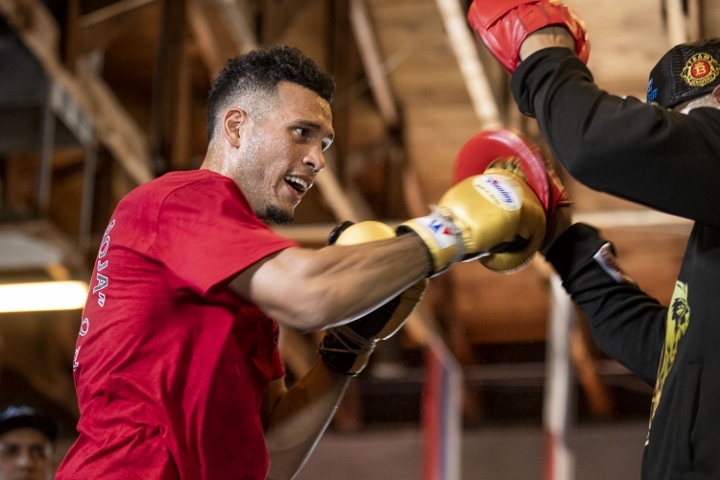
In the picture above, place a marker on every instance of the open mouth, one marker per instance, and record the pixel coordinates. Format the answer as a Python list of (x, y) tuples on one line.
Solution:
[(297, 184)]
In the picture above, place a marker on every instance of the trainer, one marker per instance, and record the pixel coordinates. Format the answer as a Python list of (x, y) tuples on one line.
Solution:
[(663, 153)]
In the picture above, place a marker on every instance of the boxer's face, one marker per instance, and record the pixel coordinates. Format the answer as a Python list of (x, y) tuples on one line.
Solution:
[(25, 454), (280, 153)]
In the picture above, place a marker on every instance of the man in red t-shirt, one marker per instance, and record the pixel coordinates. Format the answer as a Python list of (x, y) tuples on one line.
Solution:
[(176, 367)]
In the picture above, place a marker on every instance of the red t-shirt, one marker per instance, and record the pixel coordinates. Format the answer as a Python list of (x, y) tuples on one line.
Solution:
[(170, 366)]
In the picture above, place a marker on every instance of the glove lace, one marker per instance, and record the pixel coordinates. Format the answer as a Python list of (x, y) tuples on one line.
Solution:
[(349, 340)]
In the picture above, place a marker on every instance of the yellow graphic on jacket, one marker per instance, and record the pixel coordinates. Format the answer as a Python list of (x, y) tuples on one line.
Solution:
[(678, 319)]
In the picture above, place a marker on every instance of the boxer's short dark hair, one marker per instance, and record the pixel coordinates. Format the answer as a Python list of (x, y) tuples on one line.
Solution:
[(686, 71)]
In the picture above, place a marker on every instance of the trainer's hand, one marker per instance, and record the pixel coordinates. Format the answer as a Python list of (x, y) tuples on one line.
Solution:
[(347, 348), (503, 25), (495, 217)]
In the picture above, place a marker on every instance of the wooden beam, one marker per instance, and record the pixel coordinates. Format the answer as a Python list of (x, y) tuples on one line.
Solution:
[(373, 62), (72, 29), (98, 29), (212, 46), (634, 218), (337, 200), (170, 118), (116, 129), (465, 49), (694, 20), (94, 100), (341, 64), (676, 22), (114, 10), (35, 25), (238, 21), (275, 18), (641, 218)]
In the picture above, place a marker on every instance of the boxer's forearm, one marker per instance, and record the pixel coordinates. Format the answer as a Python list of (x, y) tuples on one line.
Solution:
[(313, 289), (296, 419)]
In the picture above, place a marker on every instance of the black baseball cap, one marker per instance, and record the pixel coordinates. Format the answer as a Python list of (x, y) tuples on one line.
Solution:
[(686, 71), (22, 416)]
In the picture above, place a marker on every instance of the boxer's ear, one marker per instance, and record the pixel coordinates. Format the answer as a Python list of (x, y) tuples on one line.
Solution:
[(233, 122)]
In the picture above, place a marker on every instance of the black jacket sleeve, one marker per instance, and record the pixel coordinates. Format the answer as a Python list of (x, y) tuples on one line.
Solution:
[(622, 146), (626, 323)]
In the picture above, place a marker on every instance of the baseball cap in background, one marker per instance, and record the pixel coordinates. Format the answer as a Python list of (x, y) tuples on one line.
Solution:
[(686, 71), (22, 416)]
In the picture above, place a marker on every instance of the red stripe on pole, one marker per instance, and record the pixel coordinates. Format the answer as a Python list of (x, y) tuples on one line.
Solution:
[(549, 462), (431, 416)]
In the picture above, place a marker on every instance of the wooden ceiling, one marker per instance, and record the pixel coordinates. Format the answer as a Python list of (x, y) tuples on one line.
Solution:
[(131, 76)]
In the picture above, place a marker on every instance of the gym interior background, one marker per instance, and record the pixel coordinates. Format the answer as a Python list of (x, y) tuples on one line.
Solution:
[(98, 96)]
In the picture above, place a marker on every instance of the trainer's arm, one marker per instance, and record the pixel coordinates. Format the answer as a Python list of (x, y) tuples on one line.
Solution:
[(625, 322), (310, 289), (620, 145), (295, 419)]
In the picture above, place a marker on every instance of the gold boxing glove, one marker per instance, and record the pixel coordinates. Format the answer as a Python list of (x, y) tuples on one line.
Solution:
[(494, 217)]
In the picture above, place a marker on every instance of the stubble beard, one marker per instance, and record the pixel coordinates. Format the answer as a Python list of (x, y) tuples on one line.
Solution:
[(275, 215), (251, 188)]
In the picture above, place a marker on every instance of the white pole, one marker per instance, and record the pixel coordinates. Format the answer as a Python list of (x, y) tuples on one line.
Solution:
[(559, 402)]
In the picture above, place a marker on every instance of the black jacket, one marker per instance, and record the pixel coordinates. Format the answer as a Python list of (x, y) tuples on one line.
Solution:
[(670, 162)]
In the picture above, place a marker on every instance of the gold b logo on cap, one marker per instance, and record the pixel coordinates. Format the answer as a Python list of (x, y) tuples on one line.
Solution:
[(700, 69)]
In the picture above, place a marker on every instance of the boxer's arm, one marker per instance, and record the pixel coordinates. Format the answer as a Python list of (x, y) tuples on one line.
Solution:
[(310, 289), (495, 217), (295, 419)]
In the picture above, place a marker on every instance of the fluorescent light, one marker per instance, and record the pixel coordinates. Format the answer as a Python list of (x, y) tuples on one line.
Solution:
[(42, 296)]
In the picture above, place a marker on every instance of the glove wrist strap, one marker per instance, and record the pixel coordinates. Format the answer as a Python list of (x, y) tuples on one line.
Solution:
[(441, 235), (346, 351)]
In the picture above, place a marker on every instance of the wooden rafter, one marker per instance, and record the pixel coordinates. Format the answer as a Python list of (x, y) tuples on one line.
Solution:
[(677, 22), (114, 127), (211, 44), (237, 18), (99, 29), (170, 109), (465, 49), (114, 10), (694, 20), (372, 60), (276, 16)]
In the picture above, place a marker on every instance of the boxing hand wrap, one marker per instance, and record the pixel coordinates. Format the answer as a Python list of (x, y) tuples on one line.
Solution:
[(503, 25), (508, 149), (442, 236), (347, 348), (495, 217)]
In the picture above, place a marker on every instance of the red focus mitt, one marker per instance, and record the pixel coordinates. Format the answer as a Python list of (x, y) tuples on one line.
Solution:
[(507, 149), (503, 25)]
